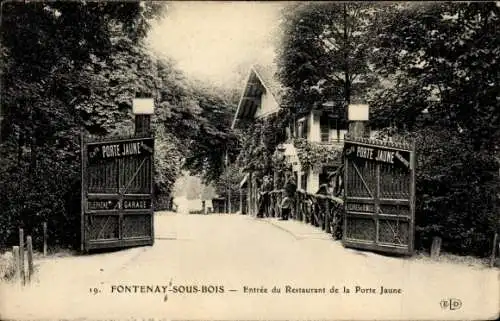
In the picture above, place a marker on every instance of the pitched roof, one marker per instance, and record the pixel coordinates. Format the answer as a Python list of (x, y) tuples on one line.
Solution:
[(260, 78), (267, 74)]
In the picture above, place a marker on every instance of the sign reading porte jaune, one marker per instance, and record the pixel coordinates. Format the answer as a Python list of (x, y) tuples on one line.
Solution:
[(378, 154), (120, 149)]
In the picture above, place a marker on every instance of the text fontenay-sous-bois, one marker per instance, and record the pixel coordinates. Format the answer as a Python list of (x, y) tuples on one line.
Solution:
[(181, 289)]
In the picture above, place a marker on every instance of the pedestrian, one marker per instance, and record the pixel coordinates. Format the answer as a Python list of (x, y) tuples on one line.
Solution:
[(323, 189), (336, 181), (268, 187), (288, 199), (263, 197), (290, 186)]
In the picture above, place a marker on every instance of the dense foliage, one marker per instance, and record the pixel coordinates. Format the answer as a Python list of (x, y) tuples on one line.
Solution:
[(457, 190), (200, 117), (316, 155), (211, 140), (430, 72), (168, 164), (457, 193), (68, 68), (71, 68), (228, 184), (325, 54), (441, 58), (259, 142)]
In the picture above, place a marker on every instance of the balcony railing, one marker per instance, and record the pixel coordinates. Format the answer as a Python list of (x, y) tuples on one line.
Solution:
[(331, 142)]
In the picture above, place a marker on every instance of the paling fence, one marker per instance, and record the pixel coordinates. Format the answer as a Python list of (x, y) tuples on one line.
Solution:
[(323, 211)]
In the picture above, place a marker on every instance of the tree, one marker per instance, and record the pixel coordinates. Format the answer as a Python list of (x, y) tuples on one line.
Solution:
[(167, 162), (228, 184), (213, 139), (200, 116), (441, 59), (58, 80), (325, 53), (259, 142)]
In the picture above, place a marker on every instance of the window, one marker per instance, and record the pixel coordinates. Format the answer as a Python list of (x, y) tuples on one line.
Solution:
[(323, 178), (303, 181), (332, 129), (302, 128), (324, 127), (341, 128)]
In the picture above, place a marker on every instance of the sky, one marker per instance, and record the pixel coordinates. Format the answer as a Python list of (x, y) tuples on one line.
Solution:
[(217, 41)]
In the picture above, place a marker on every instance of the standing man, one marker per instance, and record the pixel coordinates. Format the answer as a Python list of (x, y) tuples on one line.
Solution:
[(336, 181), (264, 199), (288, 200)]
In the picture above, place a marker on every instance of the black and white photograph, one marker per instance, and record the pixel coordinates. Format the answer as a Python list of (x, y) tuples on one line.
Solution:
[(249, 160)]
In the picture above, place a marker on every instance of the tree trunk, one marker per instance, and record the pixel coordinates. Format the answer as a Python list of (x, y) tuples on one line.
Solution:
[(32, 141), (347, 84), (20, 144)]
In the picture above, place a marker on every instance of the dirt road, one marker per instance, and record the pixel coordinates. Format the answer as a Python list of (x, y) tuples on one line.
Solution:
[(226, 267)]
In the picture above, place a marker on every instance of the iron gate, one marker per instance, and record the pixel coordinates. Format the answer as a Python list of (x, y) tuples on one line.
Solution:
[(379, 185), (117, 189)]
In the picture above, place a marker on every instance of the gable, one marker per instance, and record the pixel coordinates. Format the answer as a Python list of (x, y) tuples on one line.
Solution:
[(260, 96)]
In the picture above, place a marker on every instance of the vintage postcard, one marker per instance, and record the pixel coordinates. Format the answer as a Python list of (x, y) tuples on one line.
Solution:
[(258, 160)]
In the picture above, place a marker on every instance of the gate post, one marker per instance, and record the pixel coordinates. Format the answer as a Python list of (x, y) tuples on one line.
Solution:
[(327, 216), (83, 187), (357, 116), (143, 108), (21, 253), (142, 124)]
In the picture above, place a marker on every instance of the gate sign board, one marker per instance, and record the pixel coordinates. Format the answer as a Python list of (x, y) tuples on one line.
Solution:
[(379, 186), (117, 187)]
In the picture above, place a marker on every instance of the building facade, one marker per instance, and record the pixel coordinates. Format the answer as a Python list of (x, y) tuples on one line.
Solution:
[(322, 130)]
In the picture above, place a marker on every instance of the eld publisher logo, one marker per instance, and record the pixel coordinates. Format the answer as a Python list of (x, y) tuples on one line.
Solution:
[(451, 304)]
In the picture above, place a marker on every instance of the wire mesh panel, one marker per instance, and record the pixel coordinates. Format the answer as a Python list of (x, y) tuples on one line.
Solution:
[(102, 227), (117, 185), (379, 195), (136, 225)]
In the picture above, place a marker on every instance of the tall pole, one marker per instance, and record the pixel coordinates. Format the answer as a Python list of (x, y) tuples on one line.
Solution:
[(228, 187)]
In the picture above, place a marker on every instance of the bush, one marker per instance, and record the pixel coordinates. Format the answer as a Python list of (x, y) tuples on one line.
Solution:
[(7, 268), (49, 193), (456, 190)]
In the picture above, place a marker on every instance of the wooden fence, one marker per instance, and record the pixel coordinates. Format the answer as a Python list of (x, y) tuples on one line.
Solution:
[(22, 256), (323, 211)]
